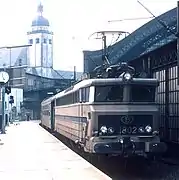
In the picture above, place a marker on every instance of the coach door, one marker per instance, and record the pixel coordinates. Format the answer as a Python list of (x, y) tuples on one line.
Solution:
[(52, 117), (80, 114)]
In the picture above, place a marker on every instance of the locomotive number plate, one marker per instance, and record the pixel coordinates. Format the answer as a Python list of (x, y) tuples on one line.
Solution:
[(128, 130)]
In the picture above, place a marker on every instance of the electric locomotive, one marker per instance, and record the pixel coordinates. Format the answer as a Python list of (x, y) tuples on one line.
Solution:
[(112, 116)]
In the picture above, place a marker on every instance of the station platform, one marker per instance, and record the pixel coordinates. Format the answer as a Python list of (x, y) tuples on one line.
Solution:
[(29, 152)]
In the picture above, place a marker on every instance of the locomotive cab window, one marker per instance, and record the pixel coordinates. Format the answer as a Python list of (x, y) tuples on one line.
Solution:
[(143, 93), (112, 93)]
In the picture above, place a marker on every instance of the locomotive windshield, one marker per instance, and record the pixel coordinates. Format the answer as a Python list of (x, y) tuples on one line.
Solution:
[(142, 93), (114, 93), (109, 93)]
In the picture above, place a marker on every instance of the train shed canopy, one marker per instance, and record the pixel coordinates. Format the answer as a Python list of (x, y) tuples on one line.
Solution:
[(147, 38)]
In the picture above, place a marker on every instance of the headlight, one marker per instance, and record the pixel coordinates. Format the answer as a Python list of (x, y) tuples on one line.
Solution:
[(127, 76), (111, 130), (104, 129), (148, 129), (141, 130)]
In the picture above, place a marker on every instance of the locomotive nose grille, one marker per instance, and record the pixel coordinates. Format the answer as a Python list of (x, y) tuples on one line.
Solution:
[(126, 124)]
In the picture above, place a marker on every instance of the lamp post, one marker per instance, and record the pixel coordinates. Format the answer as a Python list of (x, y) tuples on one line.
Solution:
[(178, 39), (4, 78)]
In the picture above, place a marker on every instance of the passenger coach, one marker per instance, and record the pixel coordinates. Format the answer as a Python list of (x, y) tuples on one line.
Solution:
[(47, 113)]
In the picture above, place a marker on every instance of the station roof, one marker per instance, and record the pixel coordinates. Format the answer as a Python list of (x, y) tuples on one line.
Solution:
[(147, 38), (13, 56)]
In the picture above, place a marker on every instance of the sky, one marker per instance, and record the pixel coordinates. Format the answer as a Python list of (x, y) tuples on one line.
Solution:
[(73, 21)]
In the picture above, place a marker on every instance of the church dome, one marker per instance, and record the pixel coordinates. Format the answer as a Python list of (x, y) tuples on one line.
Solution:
[(40, 20)]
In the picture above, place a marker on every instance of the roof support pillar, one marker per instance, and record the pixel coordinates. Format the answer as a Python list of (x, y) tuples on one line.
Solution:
[(178, 38)]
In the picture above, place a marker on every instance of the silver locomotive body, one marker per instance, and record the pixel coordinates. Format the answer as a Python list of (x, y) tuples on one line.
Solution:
[(110, 116)]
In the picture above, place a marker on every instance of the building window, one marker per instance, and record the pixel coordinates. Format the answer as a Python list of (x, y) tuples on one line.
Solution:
[(45, 41), (20, 62), (5, 105), (50, 41), (30, 41), (37, 40), (30, 82)]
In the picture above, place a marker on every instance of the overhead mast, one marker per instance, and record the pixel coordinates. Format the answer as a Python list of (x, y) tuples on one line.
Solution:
[(105, 54), (107, 70)]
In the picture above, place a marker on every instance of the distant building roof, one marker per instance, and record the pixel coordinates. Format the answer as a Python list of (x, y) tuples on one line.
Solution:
[(19, 56), (13, 57)]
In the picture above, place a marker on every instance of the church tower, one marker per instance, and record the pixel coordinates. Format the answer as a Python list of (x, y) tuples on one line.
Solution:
[(41, 39)]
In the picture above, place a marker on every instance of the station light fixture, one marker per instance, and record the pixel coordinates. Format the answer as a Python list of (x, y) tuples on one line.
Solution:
[(50, 93)]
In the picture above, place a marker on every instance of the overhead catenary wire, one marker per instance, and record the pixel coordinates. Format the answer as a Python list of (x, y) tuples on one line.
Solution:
[(130, 19), (159, 21)]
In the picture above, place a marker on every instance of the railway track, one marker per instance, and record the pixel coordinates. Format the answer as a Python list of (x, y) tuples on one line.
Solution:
[(138, 169), (130, 169)]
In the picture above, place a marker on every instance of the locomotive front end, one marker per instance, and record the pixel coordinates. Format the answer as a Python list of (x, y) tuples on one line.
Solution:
[(126, 118), (127, 134)]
